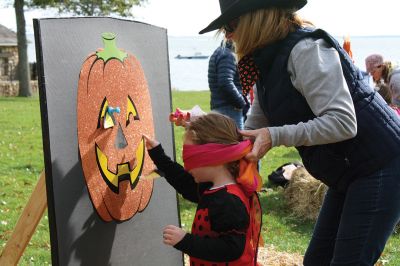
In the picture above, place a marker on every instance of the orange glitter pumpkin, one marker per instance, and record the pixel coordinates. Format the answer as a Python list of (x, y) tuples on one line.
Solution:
[(113, 111)]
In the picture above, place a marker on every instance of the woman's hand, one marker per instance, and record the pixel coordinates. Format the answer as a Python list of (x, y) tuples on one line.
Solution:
[(150, 143), (262, 143), (173, 235)]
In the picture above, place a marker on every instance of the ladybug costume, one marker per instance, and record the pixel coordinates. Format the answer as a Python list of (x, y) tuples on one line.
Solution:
[(224, 231)]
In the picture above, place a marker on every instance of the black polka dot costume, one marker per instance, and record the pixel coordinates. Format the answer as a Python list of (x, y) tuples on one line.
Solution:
[(221, 232)]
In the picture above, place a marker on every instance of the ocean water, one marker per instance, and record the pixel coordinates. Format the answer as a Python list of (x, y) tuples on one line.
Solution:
[(191, 74)]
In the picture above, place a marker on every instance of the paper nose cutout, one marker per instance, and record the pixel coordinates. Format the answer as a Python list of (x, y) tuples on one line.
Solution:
[(120, 140)]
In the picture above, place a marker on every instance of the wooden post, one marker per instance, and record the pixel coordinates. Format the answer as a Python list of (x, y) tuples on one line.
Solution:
[(26, 224)]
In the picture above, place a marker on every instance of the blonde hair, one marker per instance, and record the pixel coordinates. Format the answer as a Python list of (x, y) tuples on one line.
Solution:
[(264, 26), (215, 128), (386, 71)]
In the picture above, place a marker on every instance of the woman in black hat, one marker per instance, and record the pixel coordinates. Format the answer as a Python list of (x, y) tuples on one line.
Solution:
[(311, 96)]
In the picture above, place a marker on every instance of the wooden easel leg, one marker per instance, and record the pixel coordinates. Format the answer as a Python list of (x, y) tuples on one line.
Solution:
[(26, 225)]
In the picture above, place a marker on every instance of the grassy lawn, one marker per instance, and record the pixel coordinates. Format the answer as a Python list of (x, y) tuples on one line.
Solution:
[(21, 160)]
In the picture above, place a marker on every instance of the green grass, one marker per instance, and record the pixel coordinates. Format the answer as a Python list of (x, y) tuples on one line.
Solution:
[(21, 160)]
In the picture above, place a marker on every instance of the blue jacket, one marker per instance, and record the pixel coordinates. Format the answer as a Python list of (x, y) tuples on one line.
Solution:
[(223, 79), (338, 164)]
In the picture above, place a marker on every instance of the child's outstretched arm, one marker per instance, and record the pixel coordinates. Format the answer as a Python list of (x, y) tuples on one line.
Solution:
[(174, 173)]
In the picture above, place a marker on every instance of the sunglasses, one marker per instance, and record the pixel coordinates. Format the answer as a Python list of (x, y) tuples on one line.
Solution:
[(231, 26)]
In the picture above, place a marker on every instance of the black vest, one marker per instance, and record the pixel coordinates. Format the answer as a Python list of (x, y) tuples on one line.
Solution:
[(338, 164)]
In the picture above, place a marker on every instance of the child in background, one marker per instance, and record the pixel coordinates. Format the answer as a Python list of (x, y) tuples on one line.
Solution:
[(227, 223)]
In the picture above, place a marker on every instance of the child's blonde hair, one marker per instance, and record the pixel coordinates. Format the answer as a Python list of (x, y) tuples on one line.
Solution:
[(215, 128)]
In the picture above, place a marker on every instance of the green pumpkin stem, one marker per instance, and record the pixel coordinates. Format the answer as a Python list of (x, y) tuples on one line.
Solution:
[(110, 48)]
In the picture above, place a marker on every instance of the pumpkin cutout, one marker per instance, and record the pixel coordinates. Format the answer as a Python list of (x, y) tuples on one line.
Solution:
[(113, 111)]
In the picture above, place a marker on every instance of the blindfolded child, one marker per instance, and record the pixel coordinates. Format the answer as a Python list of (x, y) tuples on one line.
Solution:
[(227, 223)]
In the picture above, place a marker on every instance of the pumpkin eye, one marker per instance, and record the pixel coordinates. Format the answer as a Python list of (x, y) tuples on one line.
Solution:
[(103, 112), (106, 120), (131, 109)]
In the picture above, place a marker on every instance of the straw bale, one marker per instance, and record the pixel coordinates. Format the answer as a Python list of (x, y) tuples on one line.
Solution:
[(304, 194), (268, 256)]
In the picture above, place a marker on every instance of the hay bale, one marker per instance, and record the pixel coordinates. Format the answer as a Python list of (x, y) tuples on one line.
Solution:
[(304, 194), (268, 256)]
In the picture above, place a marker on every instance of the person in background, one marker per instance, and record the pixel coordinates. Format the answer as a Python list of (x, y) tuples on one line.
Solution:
[(227, 223), (386, 94), (378, 69), (313, 97), (347, 47), (365, 75), (394, 85), (223, 80)]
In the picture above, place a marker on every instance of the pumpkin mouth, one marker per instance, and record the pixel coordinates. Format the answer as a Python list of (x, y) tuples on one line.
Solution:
[(124, 171)]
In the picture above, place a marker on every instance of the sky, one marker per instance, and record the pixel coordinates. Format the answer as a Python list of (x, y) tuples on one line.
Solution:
[(188, 17)]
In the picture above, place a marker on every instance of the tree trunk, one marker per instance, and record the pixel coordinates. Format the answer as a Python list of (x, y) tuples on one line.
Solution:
[(23, 66)]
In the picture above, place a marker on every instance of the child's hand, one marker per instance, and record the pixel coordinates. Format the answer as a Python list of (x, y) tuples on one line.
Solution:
[(150, 143), (173, 235)]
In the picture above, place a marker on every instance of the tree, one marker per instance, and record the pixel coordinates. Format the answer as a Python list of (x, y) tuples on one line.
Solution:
[(99, 7), (91, 7), (78, 7), (23, 66)]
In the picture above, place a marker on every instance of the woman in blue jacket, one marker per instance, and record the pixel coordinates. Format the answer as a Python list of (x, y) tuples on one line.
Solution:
[(310, 95), (223, 80)]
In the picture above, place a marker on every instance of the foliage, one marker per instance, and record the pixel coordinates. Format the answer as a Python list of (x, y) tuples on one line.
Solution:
[(90, 7), (78, 7), (84, 7)]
